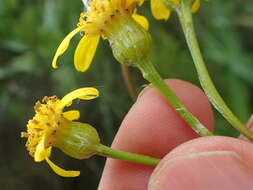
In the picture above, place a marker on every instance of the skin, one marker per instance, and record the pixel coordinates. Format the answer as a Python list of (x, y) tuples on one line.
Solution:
[(189, 162)]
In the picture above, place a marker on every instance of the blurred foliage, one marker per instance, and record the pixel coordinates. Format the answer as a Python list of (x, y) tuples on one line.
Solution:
[(30, 31)]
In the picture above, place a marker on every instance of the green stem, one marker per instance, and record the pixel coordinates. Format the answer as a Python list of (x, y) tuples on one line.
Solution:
[(185, 16), (150, 74), (106, 151)]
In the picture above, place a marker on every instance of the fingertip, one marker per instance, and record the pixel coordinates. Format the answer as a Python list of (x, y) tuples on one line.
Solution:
[(152, 127), (206, 163), (203, 170), (189, 95), (152, 118), (214, 143)]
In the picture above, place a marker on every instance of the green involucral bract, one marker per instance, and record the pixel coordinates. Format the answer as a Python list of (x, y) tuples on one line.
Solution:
[(79, 140), (130, 43)]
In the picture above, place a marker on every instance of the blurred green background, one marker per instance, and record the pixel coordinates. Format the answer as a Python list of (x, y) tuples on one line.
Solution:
[(31, 30)]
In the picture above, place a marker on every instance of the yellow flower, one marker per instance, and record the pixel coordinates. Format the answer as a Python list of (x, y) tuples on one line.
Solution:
[(48, 124), (162, 11), (101, 19)]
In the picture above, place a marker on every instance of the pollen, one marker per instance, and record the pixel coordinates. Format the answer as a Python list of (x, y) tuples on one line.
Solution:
[(103, 16), (46, 122)]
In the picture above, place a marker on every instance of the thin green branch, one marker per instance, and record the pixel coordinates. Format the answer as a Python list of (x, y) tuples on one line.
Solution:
[(150, 74), (106, 151), (185, 16)]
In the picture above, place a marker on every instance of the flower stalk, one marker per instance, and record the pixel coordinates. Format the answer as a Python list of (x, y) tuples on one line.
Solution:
[(185, 16), (150, 74), (106, 151), (131, 45)]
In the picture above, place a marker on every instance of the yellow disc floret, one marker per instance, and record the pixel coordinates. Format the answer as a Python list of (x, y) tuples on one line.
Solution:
[(104, 15), (46, 122)]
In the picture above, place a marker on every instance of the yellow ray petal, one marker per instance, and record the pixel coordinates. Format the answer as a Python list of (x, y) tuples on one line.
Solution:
[(130, 2), (159, 10), (60, 171), (140, 2), (64, 45), (85, 52), (72, 115), (141, 20), (41, 152), (195, 6), (81, 93)]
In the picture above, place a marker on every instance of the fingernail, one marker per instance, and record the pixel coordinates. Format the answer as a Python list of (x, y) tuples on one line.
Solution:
[(204, 170), (145, 89)]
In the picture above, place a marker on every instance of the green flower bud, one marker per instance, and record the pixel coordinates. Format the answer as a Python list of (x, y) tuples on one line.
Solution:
[(130, 43), (78, 140)]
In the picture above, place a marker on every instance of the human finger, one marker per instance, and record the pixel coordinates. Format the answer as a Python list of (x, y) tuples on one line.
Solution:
[(152, 127), (206, 163)]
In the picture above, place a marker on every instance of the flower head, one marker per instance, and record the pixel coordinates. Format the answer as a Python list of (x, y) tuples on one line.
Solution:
[(50, 123), (101, 19), (161, 9)]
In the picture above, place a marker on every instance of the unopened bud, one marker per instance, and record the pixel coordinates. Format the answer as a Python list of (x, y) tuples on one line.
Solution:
[(130, 43), (78, 140)]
